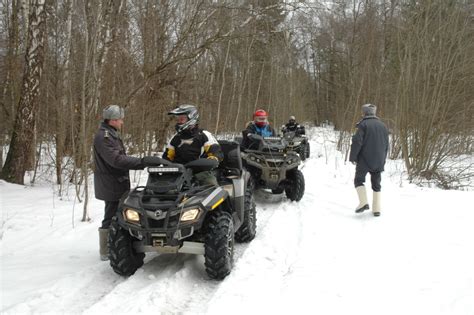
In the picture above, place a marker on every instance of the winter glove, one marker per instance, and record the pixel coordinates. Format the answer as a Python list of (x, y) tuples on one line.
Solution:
[(151, 161), (144, 161), (212, 157)]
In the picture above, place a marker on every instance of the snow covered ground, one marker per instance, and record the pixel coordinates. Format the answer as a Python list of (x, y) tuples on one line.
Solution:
[(316, 256)]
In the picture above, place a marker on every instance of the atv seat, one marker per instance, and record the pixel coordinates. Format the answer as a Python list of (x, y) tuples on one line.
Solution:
[(232, 163)]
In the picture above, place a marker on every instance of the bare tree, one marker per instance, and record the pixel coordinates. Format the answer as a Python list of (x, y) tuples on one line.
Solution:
[(435, 67), (20, 151)]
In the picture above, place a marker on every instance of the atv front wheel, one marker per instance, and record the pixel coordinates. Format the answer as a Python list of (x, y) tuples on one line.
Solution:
[(219, 245), (248, 229), (124, 260), (295, 188)]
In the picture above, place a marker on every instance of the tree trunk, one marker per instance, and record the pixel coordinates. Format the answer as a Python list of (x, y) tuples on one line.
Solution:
[(222, 88), (23, 129)]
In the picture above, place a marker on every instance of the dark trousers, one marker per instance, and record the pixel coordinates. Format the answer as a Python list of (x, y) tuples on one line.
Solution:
[(206, 178), (109, 212), (361, 172)]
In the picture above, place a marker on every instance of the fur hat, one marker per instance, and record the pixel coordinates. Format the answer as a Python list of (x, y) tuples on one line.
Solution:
[(369, 109), (113, 112)]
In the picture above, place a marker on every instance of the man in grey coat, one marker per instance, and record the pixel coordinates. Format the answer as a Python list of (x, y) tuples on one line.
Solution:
[(112, 165), (369, 150)]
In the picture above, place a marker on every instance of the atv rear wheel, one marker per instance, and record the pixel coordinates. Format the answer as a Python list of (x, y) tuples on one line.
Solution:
[(307, 149), (219, 245), (295, 188), (248, 229), (124, 260), (302, 152)]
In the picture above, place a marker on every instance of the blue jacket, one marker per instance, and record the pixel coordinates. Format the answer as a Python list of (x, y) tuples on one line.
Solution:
[(265, 131)]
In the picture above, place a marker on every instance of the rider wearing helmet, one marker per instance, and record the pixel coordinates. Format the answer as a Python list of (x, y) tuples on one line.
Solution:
[(292, 125), (258, 126), (191, 143)]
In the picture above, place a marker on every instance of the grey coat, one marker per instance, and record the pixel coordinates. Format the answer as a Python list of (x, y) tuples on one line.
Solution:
[(370, 144), (111, 176)]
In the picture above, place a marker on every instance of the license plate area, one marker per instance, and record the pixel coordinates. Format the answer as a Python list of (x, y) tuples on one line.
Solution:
[(158, 239)]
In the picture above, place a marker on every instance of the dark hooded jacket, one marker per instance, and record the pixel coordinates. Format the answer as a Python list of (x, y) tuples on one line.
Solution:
[(111, 176), (370, 144)]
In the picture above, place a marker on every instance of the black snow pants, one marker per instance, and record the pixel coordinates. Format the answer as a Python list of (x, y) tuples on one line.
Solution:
[(361, 172), (109, 211)]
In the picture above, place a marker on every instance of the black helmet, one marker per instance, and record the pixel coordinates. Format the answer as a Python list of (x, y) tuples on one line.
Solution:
[(190, 111)]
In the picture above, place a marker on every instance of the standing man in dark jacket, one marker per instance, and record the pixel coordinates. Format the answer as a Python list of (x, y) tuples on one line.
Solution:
[(112, 165), (259, 126), (191, 143), (368, 151)]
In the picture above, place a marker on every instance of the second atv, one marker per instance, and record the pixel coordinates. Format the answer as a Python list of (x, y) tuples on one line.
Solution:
[(274, 165)]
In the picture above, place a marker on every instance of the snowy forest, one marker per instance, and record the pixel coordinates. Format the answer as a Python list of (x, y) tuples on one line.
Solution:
[(62, 62)]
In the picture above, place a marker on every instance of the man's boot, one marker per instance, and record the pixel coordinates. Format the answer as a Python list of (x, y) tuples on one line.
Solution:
[(363, 204), (376, 204), (103, 246)]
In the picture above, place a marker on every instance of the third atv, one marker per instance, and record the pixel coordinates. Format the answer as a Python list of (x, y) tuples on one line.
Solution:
[(298, 143)]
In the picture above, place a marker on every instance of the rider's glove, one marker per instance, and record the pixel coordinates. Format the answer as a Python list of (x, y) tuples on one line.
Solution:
[(212, 157), (148, 161)]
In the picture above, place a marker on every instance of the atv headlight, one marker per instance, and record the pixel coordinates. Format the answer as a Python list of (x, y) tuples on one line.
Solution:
[(163, 170), (296, 143), (190, 214), (131, 215), (272, 138)]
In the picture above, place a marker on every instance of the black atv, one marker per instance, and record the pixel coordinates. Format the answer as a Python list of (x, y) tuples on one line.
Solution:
[(274, 165), (174, 214), (298, 143)]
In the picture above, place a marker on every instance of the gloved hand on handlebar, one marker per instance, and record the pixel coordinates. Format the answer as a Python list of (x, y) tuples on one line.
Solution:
[(212, 157), (150, 161)]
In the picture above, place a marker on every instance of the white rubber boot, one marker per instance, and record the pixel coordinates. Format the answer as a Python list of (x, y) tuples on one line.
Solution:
[(376, 204), (363, 204), (103, 246)]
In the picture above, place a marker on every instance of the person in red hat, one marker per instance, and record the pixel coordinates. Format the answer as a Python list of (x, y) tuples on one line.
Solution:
[(259, 126)]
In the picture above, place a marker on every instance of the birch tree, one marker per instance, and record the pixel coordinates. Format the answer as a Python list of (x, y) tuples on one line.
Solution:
[(20, 151)]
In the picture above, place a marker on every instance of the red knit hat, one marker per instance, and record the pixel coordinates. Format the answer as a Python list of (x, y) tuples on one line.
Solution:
[(260, 117)]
